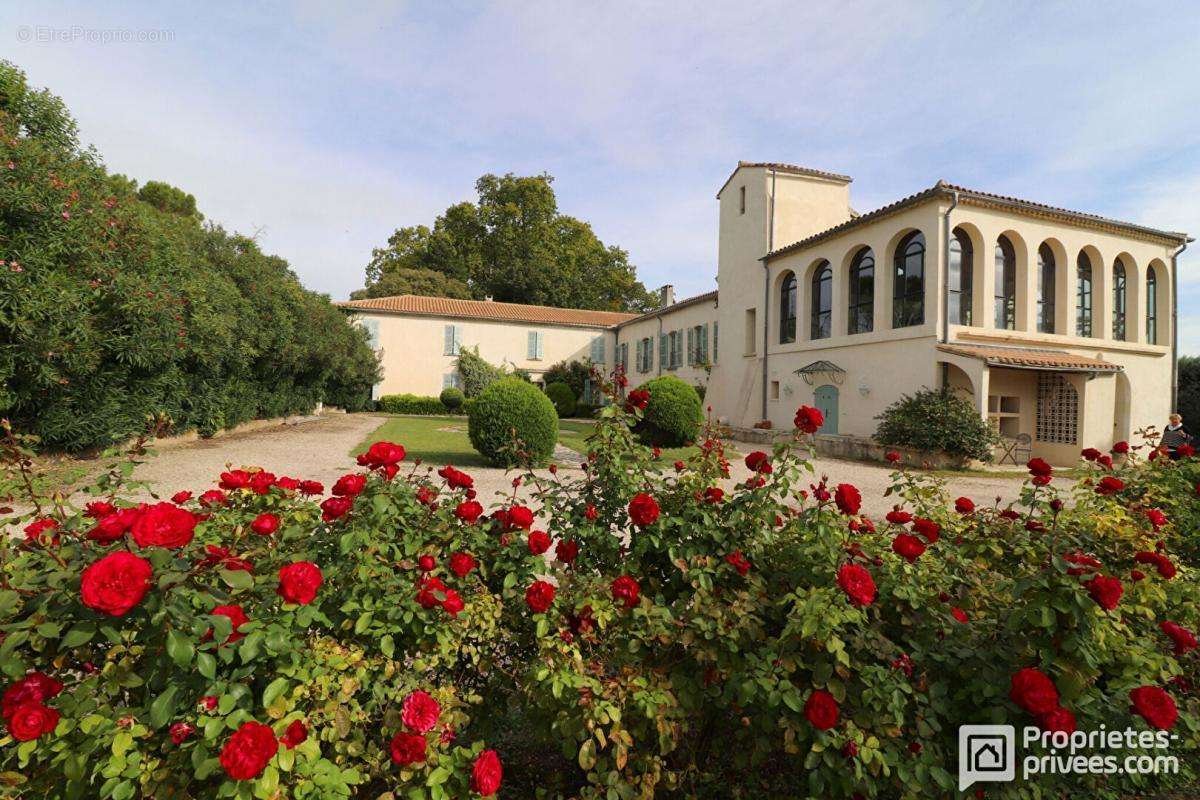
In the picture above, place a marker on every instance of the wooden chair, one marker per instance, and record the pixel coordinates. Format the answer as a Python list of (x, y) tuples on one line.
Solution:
[(1016, 449)]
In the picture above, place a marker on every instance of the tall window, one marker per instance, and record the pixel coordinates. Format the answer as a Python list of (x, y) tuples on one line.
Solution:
[(787, 309), (1046, 288), (861, 318), (1083, 295), (1151, 306), (822, 302), (908, 282), (1119, 293), (1006, 284), (959, 285)]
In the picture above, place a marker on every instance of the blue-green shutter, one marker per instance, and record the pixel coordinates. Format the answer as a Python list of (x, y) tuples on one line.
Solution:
[(716, 352)]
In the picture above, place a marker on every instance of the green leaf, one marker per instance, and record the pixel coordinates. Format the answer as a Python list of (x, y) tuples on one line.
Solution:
[(207, 665), (180, 648), (387, 645), (79, 634), (274, 689), (237, 578), (163, 708), (587, 755)]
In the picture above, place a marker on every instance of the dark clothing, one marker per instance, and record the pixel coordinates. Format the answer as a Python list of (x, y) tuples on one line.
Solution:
[(1173, 438)]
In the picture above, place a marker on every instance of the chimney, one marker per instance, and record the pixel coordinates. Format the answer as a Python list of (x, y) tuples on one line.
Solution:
[(666, 296)]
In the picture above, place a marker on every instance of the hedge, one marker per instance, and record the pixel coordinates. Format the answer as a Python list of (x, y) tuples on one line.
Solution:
[(117, 306), (512, 413), (415, 404)]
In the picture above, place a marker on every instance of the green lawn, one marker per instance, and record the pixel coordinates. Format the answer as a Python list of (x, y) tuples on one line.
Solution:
[(443, 440)]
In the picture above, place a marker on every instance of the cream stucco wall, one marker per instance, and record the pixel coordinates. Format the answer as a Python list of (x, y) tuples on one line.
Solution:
[(679, 318)]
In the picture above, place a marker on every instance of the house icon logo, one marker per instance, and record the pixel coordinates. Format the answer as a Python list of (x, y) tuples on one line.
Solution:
[(986, 754)]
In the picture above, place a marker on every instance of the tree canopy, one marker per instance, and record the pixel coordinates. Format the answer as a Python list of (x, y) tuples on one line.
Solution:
[(512, 245)]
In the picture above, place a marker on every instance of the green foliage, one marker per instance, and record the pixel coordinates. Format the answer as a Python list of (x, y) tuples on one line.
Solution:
[(169, 199), (563, 398), (673, 416), (1189, 392), (113, 311), (475, 373), (512, 422), (513, 245), (938, 421), (413, 404), (573, 373), (452, 398)]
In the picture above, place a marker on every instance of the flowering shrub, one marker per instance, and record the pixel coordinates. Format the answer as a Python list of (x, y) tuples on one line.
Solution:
[(627, 631)]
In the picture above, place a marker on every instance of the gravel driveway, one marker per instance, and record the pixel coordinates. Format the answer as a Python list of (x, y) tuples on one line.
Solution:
[(319, 450)]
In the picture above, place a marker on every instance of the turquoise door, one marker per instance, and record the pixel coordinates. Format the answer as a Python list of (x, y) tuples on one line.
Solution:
[(826, 400)]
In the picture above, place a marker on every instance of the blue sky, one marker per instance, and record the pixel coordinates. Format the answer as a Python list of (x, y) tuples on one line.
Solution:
[(322, 127)]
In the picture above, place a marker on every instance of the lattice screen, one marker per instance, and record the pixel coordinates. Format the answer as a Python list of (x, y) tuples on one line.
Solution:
[(1057, 409)]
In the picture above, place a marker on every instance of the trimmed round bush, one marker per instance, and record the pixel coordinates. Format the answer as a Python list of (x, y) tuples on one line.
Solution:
[(672, 417), (452, 398), (563, 398), (511, 409), (938, 421)]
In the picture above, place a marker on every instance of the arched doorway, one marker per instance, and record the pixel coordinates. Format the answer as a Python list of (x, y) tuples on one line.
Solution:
[(825, 398)]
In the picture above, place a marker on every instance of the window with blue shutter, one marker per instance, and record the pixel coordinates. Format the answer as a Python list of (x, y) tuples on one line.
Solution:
[(451, 380), (662, 351), (715, 351), (702, 331), (598, 350), (372, 328), (691, 346), (452, 340), (535, 345)]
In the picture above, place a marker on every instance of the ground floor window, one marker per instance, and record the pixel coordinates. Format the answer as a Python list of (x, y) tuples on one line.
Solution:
[(1057, 409)]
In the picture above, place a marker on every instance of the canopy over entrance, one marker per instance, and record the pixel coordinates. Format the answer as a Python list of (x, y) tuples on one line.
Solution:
[(1026, 358)]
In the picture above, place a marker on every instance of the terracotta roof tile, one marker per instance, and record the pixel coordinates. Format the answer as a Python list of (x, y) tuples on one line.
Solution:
[(791, 169), (488, 309), (690, 301), (1027, 358)]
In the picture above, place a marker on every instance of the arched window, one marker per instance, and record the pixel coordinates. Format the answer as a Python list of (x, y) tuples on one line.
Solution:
[(787, 309), (1046, 286), (958, 287), (861, 318), (908, 282), (1083, 295), (1006, 284), (1119, 292), (1151, 306), (822, 302)]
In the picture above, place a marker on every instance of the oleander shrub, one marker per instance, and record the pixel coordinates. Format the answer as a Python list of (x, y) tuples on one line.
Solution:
[(119, 304), (412, 404), (937, 420), (673, 415), (563, 398), (512, 422), (452, 398), (626, 630)]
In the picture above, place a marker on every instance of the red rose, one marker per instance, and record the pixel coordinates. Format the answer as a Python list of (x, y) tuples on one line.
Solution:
[(738, 562), (1105, 591), (1155, 706), (456, 479), (1060, 720), (898, 517), (566, 551), (236, 616), (927, 528), (892, 456), (311, 487), (1083, 563), (1185, 451), (469, 511), (643, 509), (637, 400), (234, 479), (1137, 575), (539, 542), (179, 498), (180, 732), (714, 495), (1109, 485), (291, 484), (857, 583), (959, 614), (461, 564), (382, 454), (453, 603), (261, 482), (1120, 447), (335, 508), (265, 524), (848, 499), (539, 596), (35, 529), (964, 505), (420, 712), (1033, 691), (590, 512), (299, 582), (31, 721), (408, 748), (486, 774), (213, 497), (349, 485), (1184, 639), (164, 525), (1039, 468), (821, 710), (426, 563), (759, 461), (809, 419), (97, 509), (248, 751), (908, 547), (625, 591), (115, 583), (520, 517), (1157, 518), (1090, 453), (296, 734), (33, 688)]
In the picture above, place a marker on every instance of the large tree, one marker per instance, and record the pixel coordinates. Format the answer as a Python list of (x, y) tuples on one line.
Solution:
[(512, 245)]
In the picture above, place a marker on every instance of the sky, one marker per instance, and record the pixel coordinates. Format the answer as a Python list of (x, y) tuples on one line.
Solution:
[(319, 128)]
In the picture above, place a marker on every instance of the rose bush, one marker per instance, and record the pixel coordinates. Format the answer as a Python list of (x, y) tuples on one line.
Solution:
[(625, 631)]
